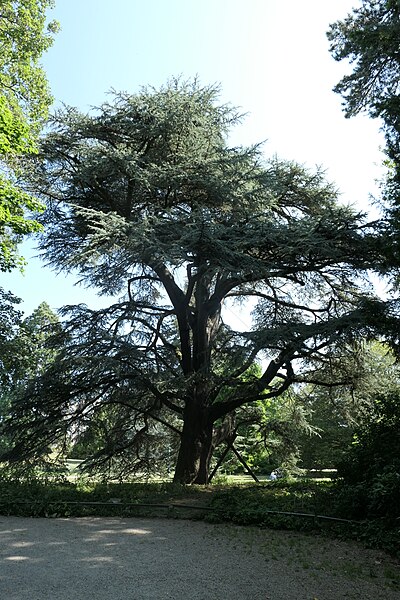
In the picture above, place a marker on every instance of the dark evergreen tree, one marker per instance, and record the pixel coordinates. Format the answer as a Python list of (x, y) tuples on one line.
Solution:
[(146, 199), (25, 350), (369, 38), (33, 351), (10, 320)]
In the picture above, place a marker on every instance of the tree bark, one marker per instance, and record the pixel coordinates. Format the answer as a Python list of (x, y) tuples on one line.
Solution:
[(193, 464)]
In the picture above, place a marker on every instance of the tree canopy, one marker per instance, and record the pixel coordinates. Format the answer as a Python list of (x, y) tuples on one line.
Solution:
[(369, 38), (146, 199), (10, 319), (24, 103)]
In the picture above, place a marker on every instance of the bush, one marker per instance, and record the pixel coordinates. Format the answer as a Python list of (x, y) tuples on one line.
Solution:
[(252, 504), (376, 448), (370, 485)]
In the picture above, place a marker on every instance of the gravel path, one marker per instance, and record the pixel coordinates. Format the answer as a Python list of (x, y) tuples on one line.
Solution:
[(158, 559)]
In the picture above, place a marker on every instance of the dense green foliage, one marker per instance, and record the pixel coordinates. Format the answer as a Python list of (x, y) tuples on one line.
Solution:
[(32, 344), (25, 347), (10, 320), (267, 435), (369, 38), (335, 414), (145, 198), (24, 37), (269, 505), (225, 502), (24, 102), (369, 484), (25, 351), (371, 468), (377, 446)]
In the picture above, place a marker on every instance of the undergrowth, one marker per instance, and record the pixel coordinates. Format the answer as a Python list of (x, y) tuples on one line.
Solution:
[(252, 504)]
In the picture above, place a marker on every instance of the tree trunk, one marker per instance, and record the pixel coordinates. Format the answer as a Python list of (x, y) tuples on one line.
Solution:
[(193, 464)]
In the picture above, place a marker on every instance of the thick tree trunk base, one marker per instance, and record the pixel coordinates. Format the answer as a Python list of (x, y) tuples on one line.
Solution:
[(193, 464)]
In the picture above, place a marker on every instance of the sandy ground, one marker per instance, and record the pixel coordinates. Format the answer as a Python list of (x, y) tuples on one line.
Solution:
[(158, 559)]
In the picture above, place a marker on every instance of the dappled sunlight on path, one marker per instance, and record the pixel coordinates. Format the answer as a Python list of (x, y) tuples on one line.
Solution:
[(157, 559)]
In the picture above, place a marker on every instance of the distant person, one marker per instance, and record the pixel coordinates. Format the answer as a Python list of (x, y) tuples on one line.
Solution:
[(273, 476)]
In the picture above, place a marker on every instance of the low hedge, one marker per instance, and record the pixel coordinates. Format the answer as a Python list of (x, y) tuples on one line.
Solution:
[(287, 505)]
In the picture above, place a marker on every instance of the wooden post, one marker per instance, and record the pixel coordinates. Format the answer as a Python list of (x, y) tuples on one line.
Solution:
[(230, 446), (244, 463)]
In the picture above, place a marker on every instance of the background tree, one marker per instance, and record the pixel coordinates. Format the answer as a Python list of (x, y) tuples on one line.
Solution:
[(32, 352), (146, 198), (268, 435), (369, 485), (26, 351), (336, 413), (10, 320), (24, 103), (265, 432), (369, 38)]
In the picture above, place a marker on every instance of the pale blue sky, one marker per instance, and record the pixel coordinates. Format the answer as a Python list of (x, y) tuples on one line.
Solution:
[(270, 57)]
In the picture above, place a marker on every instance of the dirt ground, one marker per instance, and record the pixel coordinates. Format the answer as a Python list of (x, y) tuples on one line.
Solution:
[(159, 559)]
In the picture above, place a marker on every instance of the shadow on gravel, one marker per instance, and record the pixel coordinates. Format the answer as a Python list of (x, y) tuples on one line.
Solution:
[(157, 559)]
